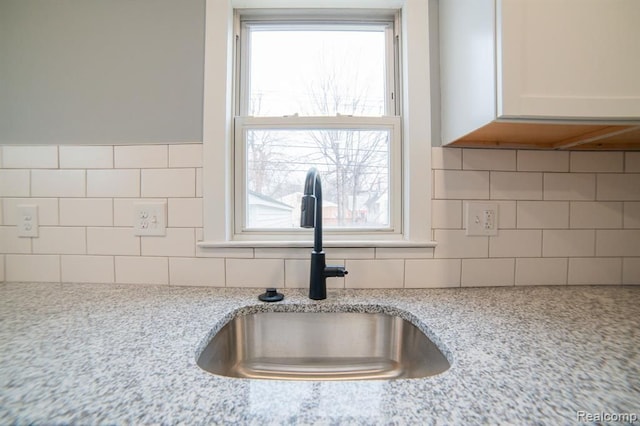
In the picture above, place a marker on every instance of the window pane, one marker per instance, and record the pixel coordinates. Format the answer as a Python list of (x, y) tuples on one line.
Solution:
[(354, 169), (316, 72)]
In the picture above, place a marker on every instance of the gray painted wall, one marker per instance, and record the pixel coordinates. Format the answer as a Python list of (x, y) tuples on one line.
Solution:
[(101, 71)]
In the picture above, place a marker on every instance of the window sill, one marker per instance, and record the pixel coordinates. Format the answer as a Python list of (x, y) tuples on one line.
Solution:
[(309, 244)]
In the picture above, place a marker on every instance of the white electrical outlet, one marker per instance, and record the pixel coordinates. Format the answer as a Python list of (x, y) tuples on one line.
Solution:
[(27, 220), (481, 218), (150, 219)]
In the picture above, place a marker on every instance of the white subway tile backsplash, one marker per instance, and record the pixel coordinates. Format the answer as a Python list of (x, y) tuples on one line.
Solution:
[(113, 183), (569, 186), (297, 274), (86, 211), (432, 273), (404, 252), (199, 182), (225, 252), (487, 272), (11, 243), (516, 186), (446, 158), (177, 242), (600, 161), (185, 212), (86, 157), (142, 270), (618, 242), (60, 240), (631, 271), (596, 214), (595, 271), (488, 159), (446, 214), (512, 243), (112, 241), (58, 183), (543, 161), (580, 211), (47, 210), (185, 155), (196, 271), (351, 253), (32, 268), (29, 157), (123, 211), (14, 183), (258, 273), (87, 269), (632, 162), (619, 187), (543, 214), (456, 244), (169, 183), (141, 156), (631, 217), (461, 185), (283, 252), (506, 214), (388, 273), (568, 243), (541, 271)]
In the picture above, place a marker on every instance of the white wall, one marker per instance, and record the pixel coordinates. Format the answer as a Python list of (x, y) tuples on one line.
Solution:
[(78, 71)]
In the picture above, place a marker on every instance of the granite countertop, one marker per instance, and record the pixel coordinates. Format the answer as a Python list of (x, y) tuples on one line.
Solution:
[(94, 354)]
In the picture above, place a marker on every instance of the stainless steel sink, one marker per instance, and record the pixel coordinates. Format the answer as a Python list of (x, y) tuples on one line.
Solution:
[(321, 346)]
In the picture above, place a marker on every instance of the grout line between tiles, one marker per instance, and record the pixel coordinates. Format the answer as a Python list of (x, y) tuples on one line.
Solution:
[(168, 272), (224, 262)]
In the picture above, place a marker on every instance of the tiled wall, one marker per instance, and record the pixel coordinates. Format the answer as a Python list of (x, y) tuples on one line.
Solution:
[(564, 218)]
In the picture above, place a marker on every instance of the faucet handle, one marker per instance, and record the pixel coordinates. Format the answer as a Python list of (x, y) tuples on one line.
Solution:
[(335, 271)]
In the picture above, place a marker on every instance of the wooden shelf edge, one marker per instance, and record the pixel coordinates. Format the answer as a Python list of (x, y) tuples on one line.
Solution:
[(552, 136)]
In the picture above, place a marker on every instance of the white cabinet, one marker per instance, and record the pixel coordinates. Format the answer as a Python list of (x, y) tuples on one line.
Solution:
[(549, 73)]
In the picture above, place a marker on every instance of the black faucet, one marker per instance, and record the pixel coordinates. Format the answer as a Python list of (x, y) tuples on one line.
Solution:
[(311, 217)]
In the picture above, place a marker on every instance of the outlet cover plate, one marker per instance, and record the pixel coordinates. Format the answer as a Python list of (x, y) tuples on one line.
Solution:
[(150, 219), (28, 220), (481, 219)]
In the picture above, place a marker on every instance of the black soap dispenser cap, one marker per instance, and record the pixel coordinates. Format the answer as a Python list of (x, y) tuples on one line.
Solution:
[(271, 295)]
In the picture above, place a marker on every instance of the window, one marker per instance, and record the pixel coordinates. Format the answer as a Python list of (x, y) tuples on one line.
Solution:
[(317, 90), (287, 89)]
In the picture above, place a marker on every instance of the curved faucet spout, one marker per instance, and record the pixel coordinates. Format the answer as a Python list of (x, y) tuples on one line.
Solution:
[(313, 178)]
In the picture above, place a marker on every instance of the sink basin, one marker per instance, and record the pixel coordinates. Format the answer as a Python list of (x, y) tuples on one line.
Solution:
[(321, 346)]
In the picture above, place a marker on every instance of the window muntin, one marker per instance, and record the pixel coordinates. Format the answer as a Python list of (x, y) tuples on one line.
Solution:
[(318, 93)]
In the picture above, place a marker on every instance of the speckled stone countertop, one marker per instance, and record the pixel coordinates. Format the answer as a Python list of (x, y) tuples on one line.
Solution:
[(92, 354)]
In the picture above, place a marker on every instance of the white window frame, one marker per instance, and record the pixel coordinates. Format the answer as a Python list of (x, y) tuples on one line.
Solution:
[(219, 111), (276, 19)]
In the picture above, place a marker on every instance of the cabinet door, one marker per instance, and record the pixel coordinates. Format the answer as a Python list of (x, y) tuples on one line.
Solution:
[(569, 58)]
